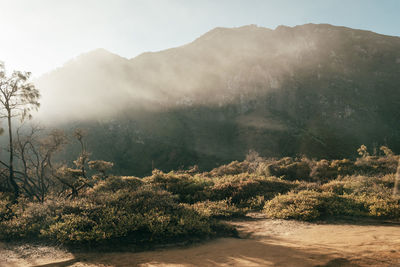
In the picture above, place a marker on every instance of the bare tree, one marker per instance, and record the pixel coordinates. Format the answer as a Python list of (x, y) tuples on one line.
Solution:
[(35, 151), (75, 179), (18, 97), (83, 157)]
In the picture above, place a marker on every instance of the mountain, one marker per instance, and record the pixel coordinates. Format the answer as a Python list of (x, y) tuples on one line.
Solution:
[(315, 90), (90, 85)]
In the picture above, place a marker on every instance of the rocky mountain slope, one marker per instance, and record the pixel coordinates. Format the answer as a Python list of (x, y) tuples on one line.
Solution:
[(316, 90)]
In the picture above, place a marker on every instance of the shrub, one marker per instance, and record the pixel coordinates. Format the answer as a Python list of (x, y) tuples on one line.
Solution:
[(253, 204), (303, 185), (360, 185), (376, 165), (217, 209), (100, 166), (109, 224), (180, 205), (28, 218), (321, 170), (362, 151), (384, 207), (336, 186), (188, 188), (388, 180), (239, 188), (144, 214), (324, 170), (311, 205), (235, 167), (290, 169), (115, 183), (380, 205), (300, 206), (373, 165)]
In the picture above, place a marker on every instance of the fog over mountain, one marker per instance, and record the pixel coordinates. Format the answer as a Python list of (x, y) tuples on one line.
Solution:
[(318, 90)]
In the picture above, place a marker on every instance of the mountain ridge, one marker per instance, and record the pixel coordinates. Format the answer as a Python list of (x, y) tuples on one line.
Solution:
[(103, 50), (314, 89)]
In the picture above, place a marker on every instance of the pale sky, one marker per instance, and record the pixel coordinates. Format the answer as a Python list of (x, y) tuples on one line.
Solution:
[(40, 35)]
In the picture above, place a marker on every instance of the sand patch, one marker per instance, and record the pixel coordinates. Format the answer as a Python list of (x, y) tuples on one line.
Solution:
[(263, 242)]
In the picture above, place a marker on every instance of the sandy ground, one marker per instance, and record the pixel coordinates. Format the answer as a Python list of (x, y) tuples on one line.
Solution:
[(263, 242)]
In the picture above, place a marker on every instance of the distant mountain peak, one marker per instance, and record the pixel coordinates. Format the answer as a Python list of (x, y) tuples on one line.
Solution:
[(98, 53), (222, 32)]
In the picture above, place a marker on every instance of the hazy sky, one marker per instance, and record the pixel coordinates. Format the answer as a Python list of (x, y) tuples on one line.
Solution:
[(39, 35)]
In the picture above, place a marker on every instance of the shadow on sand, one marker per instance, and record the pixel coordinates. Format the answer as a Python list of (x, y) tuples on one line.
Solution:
[(220, 252)]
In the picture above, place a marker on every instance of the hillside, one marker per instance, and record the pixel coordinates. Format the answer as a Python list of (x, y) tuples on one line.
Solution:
[(318, 90)]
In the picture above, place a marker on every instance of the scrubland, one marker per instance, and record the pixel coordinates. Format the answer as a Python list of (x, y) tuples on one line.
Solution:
[(192, 205)]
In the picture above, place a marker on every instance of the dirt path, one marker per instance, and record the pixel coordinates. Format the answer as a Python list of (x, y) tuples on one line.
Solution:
[(264, 243)]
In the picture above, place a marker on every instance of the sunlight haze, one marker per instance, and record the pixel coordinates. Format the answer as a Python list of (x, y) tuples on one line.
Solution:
[(41, 35)]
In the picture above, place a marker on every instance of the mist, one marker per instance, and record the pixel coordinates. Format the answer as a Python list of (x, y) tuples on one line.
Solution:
[(219, 68)]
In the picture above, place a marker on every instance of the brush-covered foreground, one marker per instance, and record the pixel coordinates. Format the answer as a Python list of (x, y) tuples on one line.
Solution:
[(167, 207)]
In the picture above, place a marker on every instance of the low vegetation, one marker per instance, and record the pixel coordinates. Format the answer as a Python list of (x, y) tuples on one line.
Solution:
[(85, 204)]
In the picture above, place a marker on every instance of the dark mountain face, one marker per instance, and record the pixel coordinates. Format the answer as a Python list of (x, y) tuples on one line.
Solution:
[(317, 90)]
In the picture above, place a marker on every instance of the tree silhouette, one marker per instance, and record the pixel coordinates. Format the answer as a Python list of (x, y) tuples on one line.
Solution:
[(35, 151), (18, 97)]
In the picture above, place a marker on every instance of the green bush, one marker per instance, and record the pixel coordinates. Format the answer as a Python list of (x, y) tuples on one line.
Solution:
[(217, 209), (311, 205), (115, 183), (188, 188), (28, 218), (182, 205), (291, 169), (108, 223), (374, 165), (384, 207), (325, 170), (336, 186), (242, 187), (253, 204), (103, 214), (365, 185), (380, 205), (303, 185), (235, 167)]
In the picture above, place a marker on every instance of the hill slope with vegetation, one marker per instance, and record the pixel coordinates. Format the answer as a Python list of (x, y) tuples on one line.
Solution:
[(314, 90), (188, 205)]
